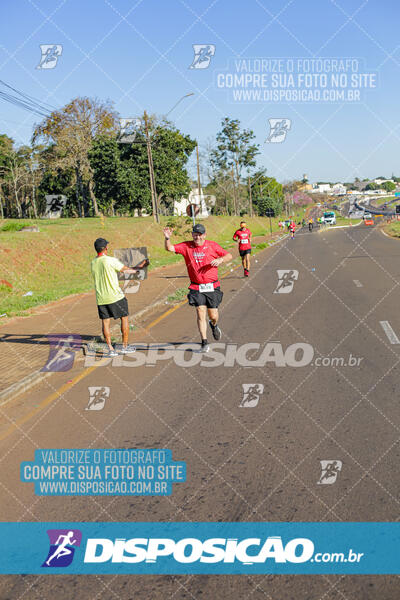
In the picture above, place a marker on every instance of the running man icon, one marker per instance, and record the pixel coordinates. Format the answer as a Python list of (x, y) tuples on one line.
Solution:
[(62, 542)]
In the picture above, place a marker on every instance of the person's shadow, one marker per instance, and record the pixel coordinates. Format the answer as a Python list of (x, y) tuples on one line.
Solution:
[(75, 340)]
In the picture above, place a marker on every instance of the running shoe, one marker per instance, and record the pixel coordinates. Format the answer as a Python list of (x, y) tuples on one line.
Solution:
[(128, 350), (111, 353), (215, 331), (204, 346), (246, 273)]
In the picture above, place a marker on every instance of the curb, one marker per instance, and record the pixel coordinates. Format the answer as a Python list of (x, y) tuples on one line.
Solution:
[(391, 237), (338, 227), (37, 376), (23, 385)]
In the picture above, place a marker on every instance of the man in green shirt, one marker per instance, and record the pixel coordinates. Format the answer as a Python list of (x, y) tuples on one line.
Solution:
[(111, 301)]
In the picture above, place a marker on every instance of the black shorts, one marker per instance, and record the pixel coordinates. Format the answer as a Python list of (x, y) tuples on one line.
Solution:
[(244, 252), (116, 310), (209, 299)]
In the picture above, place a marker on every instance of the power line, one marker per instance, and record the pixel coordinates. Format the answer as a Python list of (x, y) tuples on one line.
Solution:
[(24, 101), (40, 103)]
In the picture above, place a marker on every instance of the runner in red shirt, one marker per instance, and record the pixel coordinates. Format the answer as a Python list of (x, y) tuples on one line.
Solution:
[(244, 236), (292, 228), (202, 258)]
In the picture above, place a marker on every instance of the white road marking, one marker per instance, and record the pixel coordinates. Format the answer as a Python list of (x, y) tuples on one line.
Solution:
[(393, 339), (358, 283)]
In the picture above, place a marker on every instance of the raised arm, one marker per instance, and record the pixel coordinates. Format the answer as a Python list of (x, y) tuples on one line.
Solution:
[(167, 243)]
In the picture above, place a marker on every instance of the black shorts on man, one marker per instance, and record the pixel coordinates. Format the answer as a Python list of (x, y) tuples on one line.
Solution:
[(244, 252), (116, 310), (209, 299)]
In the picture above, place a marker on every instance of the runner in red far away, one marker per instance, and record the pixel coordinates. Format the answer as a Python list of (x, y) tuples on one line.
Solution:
[(243, 235)]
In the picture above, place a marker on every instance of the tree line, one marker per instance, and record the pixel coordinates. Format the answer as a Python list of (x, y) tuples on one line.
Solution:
[(77, 152)]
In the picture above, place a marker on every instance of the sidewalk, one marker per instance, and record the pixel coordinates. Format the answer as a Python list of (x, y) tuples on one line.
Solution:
[(24, 340)]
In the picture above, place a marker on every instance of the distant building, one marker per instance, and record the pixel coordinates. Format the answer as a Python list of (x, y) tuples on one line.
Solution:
[(204, 201), (380, 180), (321, 188)]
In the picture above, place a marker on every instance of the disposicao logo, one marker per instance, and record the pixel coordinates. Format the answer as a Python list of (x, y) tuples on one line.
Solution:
[(191, 550), (62, 547)]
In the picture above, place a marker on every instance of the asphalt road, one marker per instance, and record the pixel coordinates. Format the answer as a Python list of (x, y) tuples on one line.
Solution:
[(259, 463)]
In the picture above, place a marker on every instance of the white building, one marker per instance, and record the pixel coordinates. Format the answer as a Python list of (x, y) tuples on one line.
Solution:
[(204, 202), (379, 181), (321, 188)]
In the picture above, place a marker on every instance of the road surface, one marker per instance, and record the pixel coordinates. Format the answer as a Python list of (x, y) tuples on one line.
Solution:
[(244, 463)]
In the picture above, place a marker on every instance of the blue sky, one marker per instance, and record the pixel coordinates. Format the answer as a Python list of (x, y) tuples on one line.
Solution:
[(138, 53)]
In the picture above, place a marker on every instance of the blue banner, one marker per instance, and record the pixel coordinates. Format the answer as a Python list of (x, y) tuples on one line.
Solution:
[(195, 548)]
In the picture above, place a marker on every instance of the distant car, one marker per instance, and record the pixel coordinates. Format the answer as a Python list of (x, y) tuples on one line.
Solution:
[(329, 218), (368, 221), (367, 215)]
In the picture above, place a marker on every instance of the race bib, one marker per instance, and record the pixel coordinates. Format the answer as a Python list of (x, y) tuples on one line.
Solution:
[(244, 241), (206, 287)]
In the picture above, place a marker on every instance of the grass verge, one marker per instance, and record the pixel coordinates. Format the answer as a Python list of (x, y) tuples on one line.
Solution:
[(55, 262)]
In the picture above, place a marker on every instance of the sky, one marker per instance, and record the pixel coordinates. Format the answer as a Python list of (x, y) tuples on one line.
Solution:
[(139, 54)]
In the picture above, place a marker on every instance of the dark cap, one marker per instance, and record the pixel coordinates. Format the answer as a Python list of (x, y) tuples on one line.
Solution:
[(100, 244), (199, 228)]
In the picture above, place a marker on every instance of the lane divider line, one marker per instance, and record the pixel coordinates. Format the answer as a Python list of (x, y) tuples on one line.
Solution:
[(392, 337)]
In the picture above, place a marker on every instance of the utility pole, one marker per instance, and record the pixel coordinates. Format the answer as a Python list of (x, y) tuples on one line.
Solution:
[(198, 176), (250, 197), (151, 172), (234, 193)]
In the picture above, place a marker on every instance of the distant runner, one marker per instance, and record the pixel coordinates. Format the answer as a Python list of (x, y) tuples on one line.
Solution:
[(111, 301), (310, 224), (292, 228), (244, 236), (202, 258)]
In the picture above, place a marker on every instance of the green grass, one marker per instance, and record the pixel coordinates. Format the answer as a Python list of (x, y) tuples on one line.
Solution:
[(393, 229), (14, 226), (55, 262), (179, 295)]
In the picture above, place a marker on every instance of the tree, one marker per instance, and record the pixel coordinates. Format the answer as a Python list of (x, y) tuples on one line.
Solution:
[(389, 186), (171, 150), (104, 157), (18, 178), (235, 151), (267, 204), (72, 130), (267, 188), (372, 186)]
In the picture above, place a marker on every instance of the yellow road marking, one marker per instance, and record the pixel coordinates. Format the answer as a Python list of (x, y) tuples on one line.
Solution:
[(46, 402)]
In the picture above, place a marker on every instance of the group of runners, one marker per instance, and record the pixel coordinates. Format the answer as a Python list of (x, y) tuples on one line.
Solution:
[(202, 258)]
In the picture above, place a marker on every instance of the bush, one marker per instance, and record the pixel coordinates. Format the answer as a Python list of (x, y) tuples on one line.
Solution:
[(15, 226)]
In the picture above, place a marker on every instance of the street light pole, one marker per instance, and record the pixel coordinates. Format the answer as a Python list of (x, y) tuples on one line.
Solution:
[(180, 100), (151, 171), (154, 202)]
